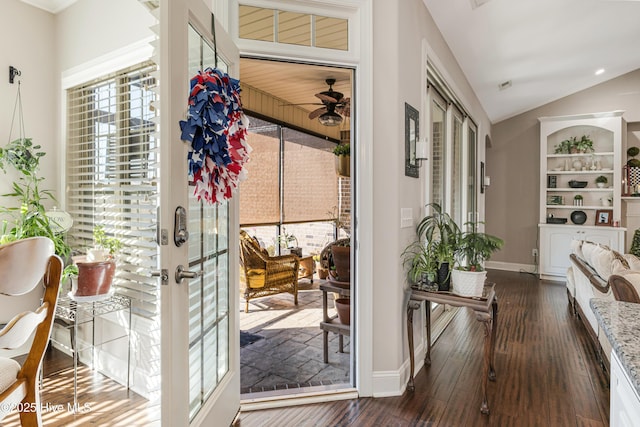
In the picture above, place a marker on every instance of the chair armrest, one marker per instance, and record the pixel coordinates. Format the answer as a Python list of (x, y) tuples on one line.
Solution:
[(623, 290)]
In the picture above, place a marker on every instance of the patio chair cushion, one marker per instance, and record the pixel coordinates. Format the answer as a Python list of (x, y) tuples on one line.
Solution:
[(9, 369), (256, 277)]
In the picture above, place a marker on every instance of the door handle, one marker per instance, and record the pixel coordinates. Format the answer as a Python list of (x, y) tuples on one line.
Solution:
[(181, 274)]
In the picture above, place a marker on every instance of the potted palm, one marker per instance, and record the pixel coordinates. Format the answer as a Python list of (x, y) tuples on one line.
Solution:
[(441, 234), (474, 248)]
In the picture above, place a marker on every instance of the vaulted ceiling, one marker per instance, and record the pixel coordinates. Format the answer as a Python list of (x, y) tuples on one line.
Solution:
[(520, 54)]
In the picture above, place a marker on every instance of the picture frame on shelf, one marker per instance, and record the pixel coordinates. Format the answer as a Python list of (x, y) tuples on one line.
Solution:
[(604, 217)]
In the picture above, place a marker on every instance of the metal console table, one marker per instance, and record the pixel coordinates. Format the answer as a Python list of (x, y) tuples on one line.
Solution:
[(71, 314)]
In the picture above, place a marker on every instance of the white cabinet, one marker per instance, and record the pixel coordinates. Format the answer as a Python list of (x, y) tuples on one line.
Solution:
[(555, 245), (625, 402), (559, 198)]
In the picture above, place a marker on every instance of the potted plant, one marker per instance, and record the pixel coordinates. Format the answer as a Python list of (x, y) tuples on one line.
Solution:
[(343, 159), (423, 266), (441, 233), (474, 248), (584, 145), (29, 218), (340, 261), (95, 271), (289, 244), (601, 181), (578, 200)]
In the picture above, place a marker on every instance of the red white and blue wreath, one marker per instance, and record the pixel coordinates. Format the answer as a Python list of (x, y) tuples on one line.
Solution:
[(216, 128)]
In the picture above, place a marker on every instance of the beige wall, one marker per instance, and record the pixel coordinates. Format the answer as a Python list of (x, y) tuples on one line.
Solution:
[(398, 32), (513, 162), (28, 43)]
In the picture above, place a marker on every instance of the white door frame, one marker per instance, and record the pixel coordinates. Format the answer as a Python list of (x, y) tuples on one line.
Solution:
[(223, 404), (360, 58)]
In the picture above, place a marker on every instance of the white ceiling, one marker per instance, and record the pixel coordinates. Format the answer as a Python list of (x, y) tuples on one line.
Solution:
[(53, 6), (548, 49)]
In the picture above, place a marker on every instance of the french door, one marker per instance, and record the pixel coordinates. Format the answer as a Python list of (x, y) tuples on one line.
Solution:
[(198, 248)]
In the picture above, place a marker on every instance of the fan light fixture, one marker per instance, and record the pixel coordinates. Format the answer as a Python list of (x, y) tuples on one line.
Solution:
[(330, 118)]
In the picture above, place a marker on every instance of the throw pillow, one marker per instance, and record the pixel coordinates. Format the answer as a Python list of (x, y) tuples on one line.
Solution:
[(617, 267), (587, 250), (601, 260), (634, 261), (576, 248)]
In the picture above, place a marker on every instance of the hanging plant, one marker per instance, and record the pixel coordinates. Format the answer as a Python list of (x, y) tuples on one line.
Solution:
[(216, 128)]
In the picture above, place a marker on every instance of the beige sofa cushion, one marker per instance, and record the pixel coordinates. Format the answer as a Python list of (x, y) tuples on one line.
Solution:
[(601, 261), (576, 248), (634, 261), (587, 250)]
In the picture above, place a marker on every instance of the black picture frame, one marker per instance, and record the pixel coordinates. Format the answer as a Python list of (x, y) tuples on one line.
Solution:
[(411, 135)]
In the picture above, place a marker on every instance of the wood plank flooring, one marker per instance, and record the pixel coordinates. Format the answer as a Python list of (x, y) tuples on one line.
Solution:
[(547, 373)]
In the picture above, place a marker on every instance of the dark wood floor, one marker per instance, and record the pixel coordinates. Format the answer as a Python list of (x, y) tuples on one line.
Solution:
[(547, 373)]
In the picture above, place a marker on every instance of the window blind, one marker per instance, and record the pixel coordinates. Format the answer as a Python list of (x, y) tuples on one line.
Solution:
[(112, 175)]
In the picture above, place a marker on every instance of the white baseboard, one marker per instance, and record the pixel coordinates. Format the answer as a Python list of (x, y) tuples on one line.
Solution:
[(510, 266)]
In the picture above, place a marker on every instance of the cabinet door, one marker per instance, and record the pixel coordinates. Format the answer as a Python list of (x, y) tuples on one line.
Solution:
[(555, 250), (607, 237), (625, 405)]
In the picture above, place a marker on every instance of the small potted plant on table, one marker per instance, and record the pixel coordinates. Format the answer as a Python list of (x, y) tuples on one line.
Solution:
[(95, 270), (441, 234), (473, 250)]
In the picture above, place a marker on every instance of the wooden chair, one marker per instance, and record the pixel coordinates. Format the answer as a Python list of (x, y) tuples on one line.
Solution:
[(23, 265), (265, 275)]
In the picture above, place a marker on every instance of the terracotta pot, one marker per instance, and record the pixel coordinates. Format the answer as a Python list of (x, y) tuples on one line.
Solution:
[(94, 278), (341, 256), (343, 307), (323, 273)]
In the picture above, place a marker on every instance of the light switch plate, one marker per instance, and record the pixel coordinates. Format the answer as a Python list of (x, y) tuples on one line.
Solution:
[(406, 217)]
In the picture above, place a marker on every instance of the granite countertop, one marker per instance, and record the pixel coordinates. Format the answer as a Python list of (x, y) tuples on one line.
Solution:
[(621, 323)]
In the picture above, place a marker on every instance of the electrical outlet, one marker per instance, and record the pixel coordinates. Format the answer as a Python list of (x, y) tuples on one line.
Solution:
[(534, 252)]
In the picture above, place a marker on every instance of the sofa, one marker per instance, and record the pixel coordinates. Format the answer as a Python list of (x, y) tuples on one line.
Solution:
[(597, 271)]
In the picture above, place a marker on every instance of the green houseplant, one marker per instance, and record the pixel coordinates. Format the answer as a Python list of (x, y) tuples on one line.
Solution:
[(601, 181), (422, 265), (29, 218), (343, 159), (441, 234), (574, 145), (474, 248)]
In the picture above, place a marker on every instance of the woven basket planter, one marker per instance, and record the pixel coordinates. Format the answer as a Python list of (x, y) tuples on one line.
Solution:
[(468, 283)]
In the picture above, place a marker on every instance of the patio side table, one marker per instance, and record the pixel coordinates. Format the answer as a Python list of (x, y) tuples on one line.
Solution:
[(331, 323), (486, 310)]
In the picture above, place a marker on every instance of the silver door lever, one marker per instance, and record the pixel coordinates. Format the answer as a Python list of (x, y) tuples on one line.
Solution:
[(181, 274)]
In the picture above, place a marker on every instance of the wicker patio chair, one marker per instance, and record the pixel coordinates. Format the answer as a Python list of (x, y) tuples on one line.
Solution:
[(265, 275)]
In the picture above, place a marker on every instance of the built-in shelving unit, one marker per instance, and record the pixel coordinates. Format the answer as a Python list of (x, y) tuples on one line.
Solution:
[(558, 198)]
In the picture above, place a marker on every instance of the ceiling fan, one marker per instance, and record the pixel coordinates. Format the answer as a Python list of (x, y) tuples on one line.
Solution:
[(333, 105)]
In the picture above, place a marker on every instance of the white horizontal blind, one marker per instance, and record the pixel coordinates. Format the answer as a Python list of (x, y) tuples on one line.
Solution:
[(112, 175)]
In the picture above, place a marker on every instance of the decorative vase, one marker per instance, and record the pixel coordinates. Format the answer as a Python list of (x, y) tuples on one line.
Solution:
[(343, 307), (444, 278), (600, 184)]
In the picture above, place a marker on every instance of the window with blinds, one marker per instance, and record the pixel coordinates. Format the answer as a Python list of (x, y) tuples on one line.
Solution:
[(112, 175)]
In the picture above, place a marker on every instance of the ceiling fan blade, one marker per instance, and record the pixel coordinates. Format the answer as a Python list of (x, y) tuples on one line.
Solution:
[(345, 110), (326, 98), (317, 113), (304, 103)]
